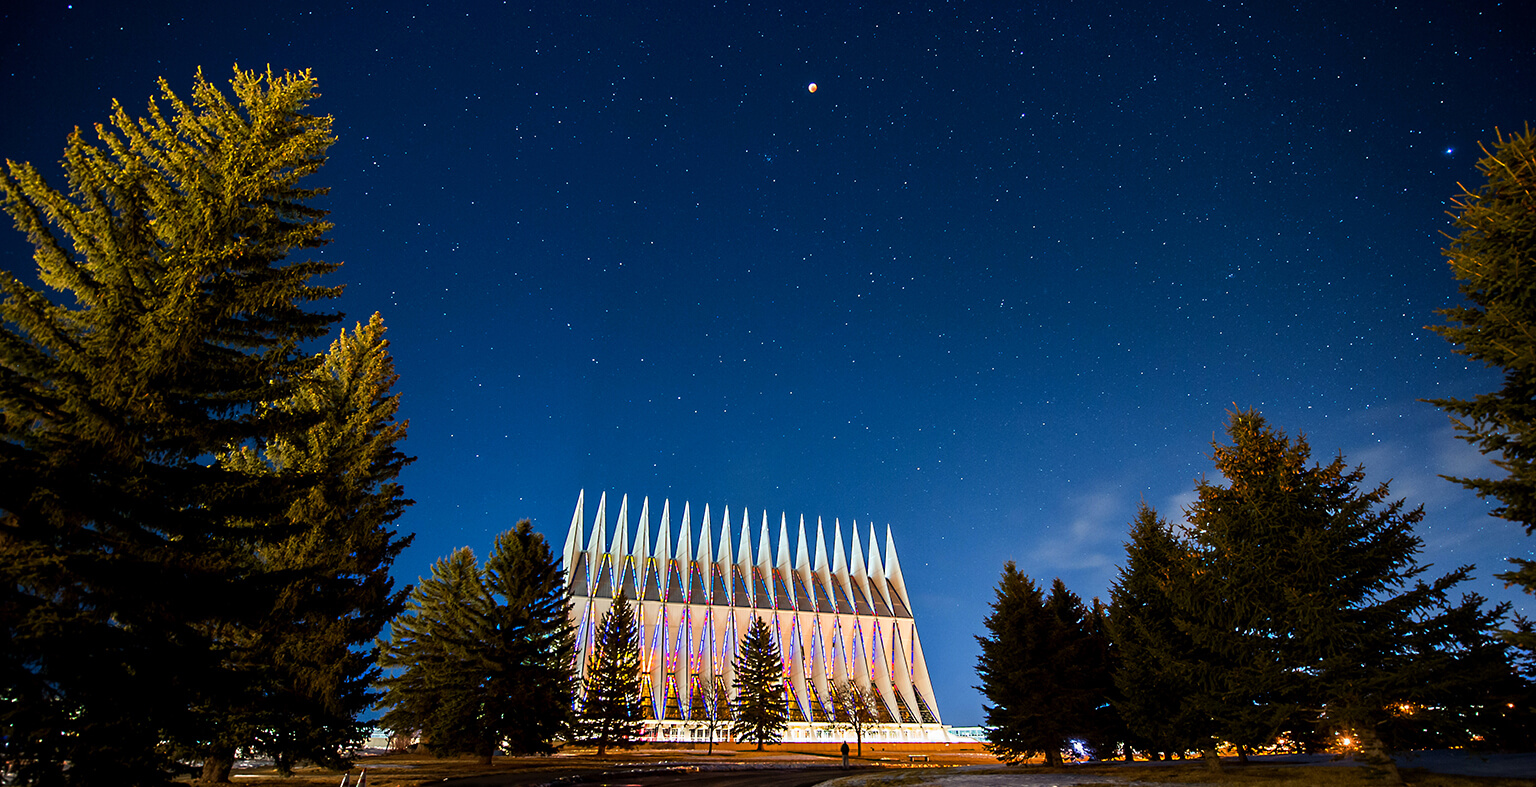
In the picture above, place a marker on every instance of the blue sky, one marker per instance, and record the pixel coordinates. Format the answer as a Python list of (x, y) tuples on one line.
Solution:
[(995, 282)]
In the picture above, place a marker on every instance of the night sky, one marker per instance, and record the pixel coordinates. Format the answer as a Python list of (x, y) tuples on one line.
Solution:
[(997, 280)]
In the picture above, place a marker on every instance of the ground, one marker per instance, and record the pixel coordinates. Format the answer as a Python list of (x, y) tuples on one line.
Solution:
[(955, 765)]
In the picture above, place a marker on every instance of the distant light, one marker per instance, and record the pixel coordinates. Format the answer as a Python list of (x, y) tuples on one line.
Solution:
[(811, 87), (1449, 151)]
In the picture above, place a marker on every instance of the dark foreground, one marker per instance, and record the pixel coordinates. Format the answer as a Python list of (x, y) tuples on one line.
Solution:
[(689, 776)]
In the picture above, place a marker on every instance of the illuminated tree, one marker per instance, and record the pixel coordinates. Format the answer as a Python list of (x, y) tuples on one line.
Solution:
[(1492, 258), (1302, 597), (612, 707), (759, 713), (126, 557), (309, 670)]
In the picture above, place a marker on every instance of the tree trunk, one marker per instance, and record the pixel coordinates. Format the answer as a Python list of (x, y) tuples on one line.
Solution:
[(1212, 762), (1242, 755), (759, 745), (1376, 755), (1053, 757), (217, 765), (858, 737)]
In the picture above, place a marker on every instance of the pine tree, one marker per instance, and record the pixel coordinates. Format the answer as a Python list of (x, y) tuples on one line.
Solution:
[(1153, 695), (535, 683), (1307, 591), (1492, 259), (309, 678), (124, 555), (612, 708), (1039, 670), (485, 656), (435, 647), (1104, 730), (1008, 665), (759, 713)]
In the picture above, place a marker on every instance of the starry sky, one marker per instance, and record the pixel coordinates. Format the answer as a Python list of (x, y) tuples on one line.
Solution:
[(997, 280)]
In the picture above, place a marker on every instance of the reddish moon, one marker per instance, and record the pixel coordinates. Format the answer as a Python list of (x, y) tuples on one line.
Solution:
[(811, 87)]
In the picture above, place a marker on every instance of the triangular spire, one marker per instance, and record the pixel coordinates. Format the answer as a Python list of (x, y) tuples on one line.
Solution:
[(804, 590), (802, 560), (859, 576), (893, 576), (723, 557), (599, 527), (642, 548), (783, 559), (721, 590), (575, 535), (664, 549), (744, 565), (877, 598), (823, 573), (821, 549), (744, 544), (839, 557), (704, 544), (702, 555), (764, 549), (621, 538), (762, 578), (650, 570), (784, 579), (842, 584), (875, 567), (677, 589), (684, 539), (857, 570), (624, 568)]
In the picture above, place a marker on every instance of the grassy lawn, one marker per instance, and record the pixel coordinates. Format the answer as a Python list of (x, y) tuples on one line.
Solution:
[(412, 770), (1195, 773)]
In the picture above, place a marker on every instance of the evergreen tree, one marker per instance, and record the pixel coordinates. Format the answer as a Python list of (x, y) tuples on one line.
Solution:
[(125, 556), (485, 656), (760, 713), (534, 681), (434, 645), (309, 678), (1104, 731), (1152, 696), (1492, 260), (1306, 589), (612, 708), (1039, 670)]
